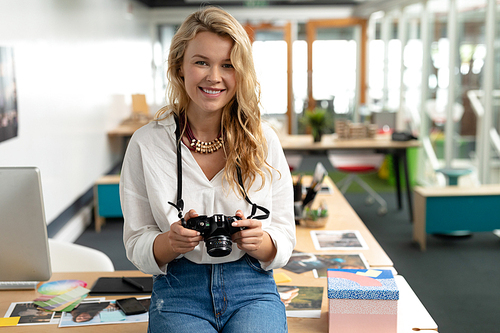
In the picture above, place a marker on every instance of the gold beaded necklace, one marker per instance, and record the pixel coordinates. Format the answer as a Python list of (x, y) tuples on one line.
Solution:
[(202, 146)]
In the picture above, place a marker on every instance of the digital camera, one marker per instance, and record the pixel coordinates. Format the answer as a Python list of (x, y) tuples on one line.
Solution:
[(216, 231)]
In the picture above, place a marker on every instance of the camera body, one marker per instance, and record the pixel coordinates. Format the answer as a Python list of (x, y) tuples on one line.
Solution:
[(216, 231)]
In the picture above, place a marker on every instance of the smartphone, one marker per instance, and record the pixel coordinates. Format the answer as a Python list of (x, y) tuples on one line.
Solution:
[(131, 306)]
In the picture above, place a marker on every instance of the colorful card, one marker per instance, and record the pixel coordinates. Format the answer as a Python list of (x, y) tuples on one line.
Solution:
[(61, 301), (60, 287)]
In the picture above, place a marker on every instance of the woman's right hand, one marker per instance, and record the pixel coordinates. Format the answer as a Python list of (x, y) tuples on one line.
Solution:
[(178, 240), (183, 240)]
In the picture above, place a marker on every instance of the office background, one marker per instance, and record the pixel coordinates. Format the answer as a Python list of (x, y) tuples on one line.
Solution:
[(77, 62), (76, 65)]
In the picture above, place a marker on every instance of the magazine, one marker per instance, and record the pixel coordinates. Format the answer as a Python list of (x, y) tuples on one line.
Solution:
[(302, 302)]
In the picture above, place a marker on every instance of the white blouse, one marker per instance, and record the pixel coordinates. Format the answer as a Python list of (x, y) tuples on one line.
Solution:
[(149, 181)]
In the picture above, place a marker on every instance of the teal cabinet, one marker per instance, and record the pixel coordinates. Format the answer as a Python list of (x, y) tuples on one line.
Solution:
[(106, 199), (451, 209)]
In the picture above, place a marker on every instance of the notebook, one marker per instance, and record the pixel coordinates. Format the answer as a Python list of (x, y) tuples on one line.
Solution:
[(116, 286)]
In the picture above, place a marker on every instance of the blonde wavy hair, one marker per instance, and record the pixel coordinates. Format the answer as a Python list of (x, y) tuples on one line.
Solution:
[(244, 143)]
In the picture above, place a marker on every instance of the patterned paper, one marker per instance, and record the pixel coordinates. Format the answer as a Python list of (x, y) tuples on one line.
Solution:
[(362, 306), (347, 284)]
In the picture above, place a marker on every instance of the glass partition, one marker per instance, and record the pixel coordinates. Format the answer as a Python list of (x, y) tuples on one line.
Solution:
[(438, 81), (384, 68), (272, 54), (470, 68), (412, 61), (495, 160), (334, 69), (161, 49), (449, 91), (271, 67), (456, 67), (300, 74), (376, 57)]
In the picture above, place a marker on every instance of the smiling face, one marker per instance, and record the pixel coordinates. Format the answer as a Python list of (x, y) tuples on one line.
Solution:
[(209, 77), (84, 316)]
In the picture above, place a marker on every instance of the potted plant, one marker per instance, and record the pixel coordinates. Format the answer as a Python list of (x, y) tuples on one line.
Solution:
[(316, 120)]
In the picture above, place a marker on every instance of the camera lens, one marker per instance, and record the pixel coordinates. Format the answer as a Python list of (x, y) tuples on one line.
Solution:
[(219, 246)]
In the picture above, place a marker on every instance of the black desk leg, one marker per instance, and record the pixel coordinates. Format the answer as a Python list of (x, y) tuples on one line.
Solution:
[(395, 164), (408, 184)]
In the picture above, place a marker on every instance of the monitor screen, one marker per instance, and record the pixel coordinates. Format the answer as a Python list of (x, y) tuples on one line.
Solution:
[(23, 230), (384, 120)]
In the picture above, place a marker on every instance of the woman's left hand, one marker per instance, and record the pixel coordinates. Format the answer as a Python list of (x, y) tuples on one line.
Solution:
[(250, 239), (253, 239)]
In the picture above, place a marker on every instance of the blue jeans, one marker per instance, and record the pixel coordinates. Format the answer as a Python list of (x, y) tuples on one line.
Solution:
[(231, 297)]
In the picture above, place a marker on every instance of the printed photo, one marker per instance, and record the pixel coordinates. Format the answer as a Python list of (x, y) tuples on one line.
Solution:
[(99, 313), (8, 95), (302, 262), (340, 261), (302, 302), (30, 314), (338, 240), (320, 263)]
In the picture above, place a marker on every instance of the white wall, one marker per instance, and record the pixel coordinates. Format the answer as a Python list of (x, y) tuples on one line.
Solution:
[(76, 63)]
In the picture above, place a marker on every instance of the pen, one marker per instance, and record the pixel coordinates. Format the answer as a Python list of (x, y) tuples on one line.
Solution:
[(299, 179), (133, 283)]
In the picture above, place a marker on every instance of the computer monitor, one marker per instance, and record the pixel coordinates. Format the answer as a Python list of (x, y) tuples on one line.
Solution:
[(24, 250), (385, 120)]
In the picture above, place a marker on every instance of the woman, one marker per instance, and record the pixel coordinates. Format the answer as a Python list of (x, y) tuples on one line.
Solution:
[(226, 160)]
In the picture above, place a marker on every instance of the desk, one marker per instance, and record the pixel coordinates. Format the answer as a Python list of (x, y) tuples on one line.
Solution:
[(127, 128), (7, 297), (444, 210), (412, 313), (304, 143), (381, 143), (342, 217)]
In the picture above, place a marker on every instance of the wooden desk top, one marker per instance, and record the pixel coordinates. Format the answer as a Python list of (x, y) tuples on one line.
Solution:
[(331, 142), (127, 128), (411, 313), (7, 297), (108, 179), (342, 217), (450, 191)]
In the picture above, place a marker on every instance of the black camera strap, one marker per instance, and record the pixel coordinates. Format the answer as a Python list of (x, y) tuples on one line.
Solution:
[(254, 206), (180, 203)]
